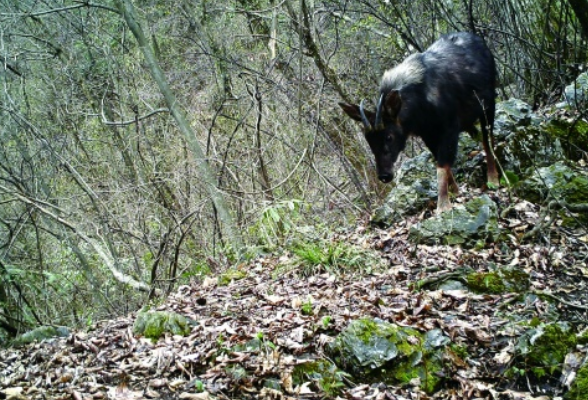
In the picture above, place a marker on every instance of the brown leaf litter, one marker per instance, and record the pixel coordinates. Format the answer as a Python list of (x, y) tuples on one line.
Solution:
[(216, 361)]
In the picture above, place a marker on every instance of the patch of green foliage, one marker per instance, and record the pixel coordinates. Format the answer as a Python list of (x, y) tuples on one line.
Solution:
[(509, 179), (541, 350), (332, 257), (198, 386), (579, 389), (199, 268), (256, 344), (306, 308), (460, 351), (276, 222), (231, 275), (325, 375), (491, 186)]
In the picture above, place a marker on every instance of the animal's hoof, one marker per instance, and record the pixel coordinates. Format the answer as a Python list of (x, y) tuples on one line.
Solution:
[(442, 207)]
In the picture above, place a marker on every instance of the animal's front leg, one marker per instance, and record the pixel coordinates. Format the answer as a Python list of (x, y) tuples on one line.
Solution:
[(444, 179)]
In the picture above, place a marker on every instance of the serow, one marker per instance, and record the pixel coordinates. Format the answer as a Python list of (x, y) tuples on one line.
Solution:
[(434, 95)]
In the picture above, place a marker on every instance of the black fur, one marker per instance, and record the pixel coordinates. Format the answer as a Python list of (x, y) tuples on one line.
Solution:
[(434, 95)]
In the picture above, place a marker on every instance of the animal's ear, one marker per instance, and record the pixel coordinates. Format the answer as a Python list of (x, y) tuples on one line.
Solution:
[(392, 104), (352, 110)]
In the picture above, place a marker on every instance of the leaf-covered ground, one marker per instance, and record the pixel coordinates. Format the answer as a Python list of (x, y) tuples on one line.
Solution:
[(251, 333)]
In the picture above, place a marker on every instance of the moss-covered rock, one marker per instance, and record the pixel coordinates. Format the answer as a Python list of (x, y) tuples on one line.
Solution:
[(523, 140), (469, 225), (541, 350), (376, 351), (501, 280), (41, 333), (583, 337), (231, 275), (153, 324), (579, 389), (557, 182), (528, 147), (571, 132)]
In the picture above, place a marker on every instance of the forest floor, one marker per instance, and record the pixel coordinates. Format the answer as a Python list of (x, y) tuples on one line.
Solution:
[(250, 334)]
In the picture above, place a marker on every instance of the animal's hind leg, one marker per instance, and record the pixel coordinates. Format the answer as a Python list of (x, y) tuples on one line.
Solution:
[(445, 157), (487, 125)]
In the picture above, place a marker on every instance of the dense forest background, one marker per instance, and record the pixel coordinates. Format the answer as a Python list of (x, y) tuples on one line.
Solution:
[(148, 142)]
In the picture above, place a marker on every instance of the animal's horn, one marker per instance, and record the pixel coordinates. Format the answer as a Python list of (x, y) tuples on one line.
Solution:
[(379, 111), (364, 119)]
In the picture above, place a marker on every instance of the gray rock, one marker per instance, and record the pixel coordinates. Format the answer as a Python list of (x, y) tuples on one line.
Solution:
[(469, 225), (415, 185), (510, 115), (576, 94), (521, 139), (452, 285)]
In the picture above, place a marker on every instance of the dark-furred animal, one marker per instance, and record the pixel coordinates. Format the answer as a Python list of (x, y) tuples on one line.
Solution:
[(434, 95)]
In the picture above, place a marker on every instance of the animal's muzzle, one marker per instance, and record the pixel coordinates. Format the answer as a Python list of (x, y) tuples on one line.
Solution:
[(386, 178)]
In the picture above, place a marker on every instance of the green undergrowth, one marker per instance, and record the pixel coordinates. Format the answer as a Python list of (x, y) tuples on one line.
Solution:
[(579, 389), (541, 351), (334, 257), (323, 376)]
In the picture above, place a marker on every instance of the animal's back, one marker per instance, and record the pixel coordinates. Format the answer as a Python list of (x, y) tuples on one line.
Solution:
[(463, 62)]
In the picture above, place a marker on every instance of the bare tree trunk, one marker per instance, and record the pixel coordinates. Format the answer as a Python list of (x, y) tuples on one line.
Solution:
[(263, 174), (230, 232)]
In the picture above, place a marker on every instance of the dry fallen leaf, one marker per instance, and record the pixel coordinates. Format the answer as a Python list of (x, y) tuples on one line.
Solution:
[(15, 393), (122, 392), (195, 396), (253, 331)]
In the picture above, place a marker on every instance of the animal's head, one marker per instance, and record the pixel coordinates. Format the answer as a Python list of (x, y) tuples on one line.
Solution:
[(382, 131)]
